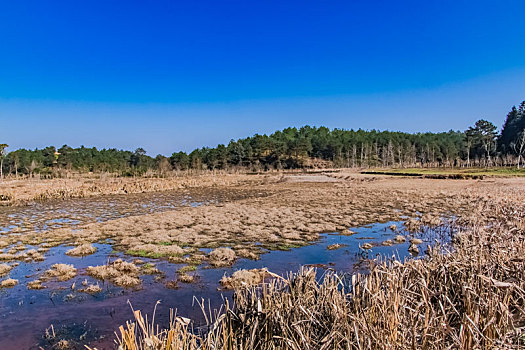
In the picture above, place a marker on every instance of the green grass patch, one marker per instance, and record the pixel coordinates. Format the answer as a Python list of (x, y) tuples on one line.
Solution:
[(285, 246), (186, 269), (144, 254), (450, 172), (180, 244)]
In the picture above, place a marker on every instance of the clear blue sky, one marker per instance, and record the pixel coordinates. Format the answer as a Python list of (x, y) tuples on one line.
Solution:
[(175, 75)]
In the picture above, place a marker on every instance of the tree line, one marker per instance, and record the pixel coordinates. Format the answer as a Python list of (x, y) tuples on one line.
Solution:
[(294, 148)]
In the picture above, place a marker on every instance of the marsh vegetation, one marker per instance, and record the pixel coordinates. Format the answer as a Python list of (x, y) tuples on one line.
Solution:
[(247, 236)]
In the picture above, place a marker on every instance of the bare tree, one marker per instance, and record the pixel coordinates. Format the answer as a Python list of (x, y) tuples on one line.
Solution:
[(32, 167), (3, 153), (519, 146)]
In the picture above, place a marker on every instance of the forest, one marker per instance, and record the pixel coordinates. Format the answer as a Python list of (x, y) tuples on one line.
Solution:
[(294, 148)]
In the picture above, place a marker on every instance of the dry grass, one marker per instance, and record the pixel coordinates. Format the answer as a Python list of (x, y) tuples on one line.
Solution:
[(335, 246), (22, 191), (222, 257), (127, 281), (91, 289), (120, 272), (36, 284), (4, 269), (472, 297), (61, 272), (388, 243), (82, 250), (102, 272), (8, 283), (185, 278), (400, 239), (246, 278)]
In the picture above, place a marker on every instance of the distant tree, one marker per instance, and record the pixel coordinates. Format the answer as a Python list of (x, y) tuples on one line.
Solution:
[(3, 154), (509, 130), (180, 161), (484, 135), (236, 153), (49, 156), (196, 159), (163, 164), (137, 157)]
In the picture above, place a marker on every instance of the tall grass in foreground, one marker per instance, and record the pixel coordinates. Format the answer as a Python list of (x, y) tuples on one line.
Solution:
[(470, 298)]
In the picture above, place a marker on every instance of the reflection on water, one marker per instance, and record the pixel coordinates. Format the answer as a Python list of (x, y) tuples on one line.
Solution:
[(92, 319)]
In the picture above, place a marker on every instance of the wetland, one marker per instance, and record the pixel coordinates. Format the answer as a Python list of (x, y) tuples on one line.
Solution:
[(72, 269)]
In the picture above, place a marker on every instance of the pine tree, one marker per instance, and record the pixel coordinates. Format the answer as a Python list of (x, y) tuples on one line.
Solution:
[(509, 130)]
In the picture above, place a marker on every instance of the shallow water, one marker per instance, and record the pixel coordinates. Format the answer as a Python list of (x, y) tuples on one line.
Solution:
[(53, 214), (92, 319)]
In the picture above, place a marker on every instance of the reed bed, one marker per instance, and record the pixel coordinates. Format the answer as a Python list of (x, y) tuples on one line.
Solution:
[(23, 191), (471, 296)]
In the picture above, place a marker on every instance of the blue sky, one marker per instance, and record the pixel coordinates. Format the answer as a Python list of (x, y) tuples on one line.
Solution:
[(175, 75)]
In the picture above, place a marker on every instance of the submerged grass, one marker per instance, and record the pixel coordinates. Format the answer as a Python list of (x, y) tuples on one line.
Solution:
[(472, 297)]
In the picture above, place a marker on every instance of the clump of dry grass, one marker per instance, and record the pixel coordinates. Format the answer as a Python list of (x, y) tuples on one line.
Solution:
[(150, 269), (8, 283), (91, 289), (120, 272), (413, 249), (4, 269), (7, 256), (413, 225), (366, 246), (185, 278), (102, 272), (431, 220), (127, 281), (247, 253), (335, 246), (82, 250), (36, 284), (400, 239), (62, 272), (31, 255), (222, 257), (416, 241), (246, 278)]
